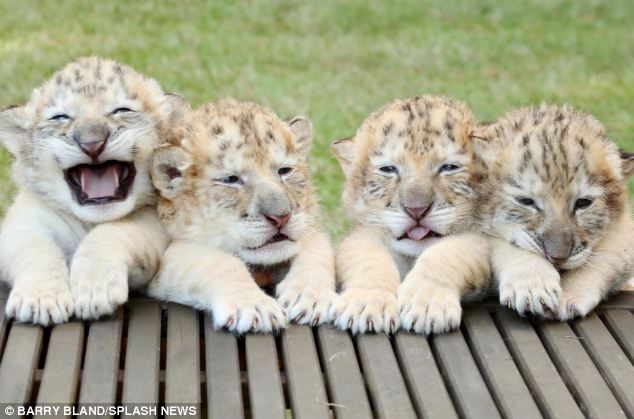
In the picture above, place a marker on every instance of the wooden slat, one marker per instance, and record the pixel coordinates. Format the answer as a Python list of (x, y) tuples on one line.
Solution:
[(468, 389), (143, 349), (578, 371), (387, 388), (303, 374), (507, 386), (265, 386), (224, 389), (63, 363), (615, 367), (419, 368), (101, 363), (621, 301), (19, 362), (343, 376), (182, 369), (621, 324), (541, 376)]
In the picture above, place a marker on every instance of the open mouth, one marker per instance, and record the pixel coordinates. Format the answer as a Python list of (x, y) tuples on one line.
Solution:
[(98, 184), (279, 237), (419, 233)]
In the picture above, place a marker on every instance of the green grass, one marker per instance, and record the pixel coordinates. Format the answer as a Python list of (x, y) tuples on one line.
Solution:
[(338, 61)]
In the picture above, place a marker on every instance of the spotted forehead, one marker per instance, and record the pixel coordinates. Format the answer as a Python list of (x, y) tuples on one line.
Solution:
[(561, 150), (93, 78), (245, 133), (421, 126)]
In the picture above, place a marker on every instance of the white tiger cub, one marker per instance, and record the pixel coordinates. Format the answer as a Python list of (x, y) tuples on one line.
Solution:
[(560, 208), (239, 206), (83, 221), (411, 186)]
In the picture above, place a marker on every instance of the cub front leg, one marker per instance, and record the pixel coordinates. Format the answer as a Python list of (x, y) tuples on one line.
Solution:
[(527, 282), (112, 257), (35, 266), (309, 287), (208, 279), (369, 279), (429, 299), (611, 263)]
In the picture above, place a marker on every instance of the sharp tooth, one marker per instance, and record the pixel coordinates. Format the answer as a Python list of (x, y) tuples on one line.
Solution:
[(125, 172)]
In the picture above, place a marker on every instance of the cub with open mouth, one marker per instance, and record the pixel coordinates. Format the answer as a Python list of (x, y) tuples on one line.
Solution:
[(411, 177), (83, 220), (239, 206)]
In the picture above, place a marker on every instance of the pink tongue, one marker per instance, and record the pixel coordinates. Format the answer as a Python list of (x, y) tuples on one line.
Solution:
[(99, 183), (417, 233)]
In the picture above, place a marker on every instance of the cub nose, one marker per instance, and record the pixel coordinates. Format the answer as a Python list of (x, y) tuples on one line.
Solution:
[(91, 137), (278, 221), (94, 148), (555, 260), (417, 213)]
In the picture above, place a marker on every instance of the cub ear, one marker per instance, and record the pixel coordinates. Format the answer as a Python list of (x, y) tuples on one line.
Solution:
[(302, 129), (176, 107), (168, 164), (344, 150), (483, 145), (627, 163), (13, 128)]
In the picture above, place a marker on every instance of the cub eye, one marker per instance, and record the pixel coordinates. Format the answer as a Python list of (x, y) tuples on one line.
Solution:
[(230, 180), (284, 170), (59, 117), (388, 169), (448, 168), (582, 203), (528, 202), (121, 110)]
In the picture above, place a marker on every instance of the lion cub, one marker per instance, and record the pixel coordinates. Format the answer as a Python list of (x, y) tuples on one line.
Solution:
[(83, 225), (559, 206), (237, 201), (412, 174)]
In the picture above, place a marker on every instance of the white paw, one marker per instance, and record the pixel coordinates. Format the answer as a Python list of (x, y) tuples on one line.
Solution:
[(429, 309), (365, 310), (573, 305), (44, 302), (306, 304), (98, 287), (532, 293), (250, 311)]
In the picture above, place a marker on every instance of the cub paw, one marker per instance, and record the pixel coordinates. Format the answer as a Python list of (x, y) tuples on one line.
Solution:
[(306, 304), (532, 293), (98, 288), (44, 303), (362, 310), (576, 305), (248, 312), (429, 309)]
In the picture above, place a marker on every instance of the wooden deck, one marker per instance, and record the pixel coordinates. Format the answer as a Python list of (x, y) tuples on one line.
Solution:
[(497, 365)]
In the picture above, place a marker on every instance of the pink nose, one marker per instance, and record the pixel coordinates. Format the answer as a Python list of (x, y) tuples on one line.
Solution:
[(417, 213), (278, 221), (93, 149)]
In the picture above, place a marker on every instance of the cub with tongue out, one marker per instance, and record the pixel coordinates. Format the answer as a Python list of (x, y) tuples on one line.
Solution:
[(83, 225), (412, 178)]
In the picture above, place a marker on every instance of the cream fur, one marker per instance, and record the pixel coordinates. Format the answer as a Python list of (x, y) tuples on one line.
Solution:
[(417, 138), (221, 236), (60, 257)]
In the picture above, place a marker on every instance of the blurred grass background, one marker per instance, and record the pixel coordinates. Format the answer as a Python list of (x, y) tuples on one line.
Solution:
[(338, 61)]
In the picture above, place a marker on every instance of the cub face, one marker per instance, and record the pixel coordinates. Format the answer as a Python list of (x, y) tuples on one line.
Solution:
[(84, 140), (237, 177), (558, 183), (412, 170)]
